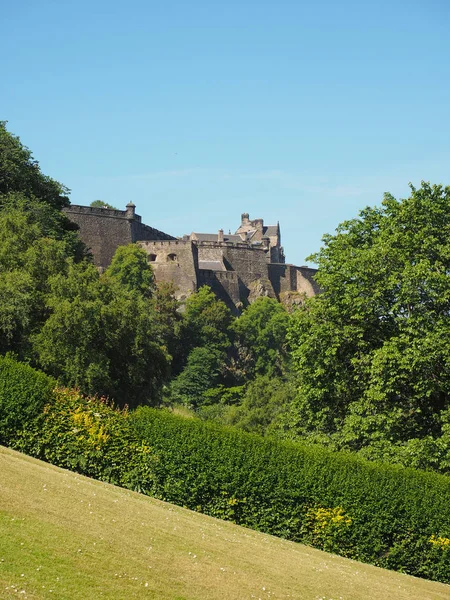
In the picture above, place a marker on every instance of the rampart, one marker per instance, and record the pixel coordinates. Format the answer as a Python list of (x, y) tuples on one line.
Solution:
[(174, 261), (238, 267), (225, 284), (104, 229), (289, 278)]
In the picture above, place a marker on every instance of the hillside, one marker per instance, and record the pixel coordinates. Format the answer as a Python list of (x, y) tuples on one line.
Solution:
[(69, 537)]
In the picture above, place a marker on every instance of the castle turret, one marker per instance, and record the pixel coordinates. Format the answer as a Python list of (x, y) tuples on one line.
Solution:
[(130, 210)]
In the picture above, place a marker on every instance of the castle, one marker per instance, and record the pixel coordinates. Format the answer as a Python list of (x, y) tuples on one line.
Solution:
[(238, 267)]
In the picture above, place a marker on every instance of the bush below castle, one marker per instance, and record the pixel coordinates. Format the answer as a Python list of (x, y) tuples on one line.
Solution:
[(386, 515)]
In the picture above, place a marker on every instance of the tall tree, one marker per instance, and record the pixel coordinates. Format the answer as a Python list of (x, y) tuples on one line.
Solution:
[(260, 341), (130, 269), (372, 351), (20, 172), (207, 321), (102, 337)]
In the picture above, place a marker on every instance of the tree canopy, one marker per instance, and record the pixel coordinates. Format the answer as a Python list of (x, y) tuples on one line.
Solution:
[(20, 172), (371, 351), (364, 365), (101, 204)]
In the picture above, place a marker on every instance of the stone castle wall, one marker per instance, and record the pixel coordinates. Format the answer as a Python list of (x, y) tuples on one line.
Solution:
[(104, 229), (174, 261), (225, 284), (237, 272)]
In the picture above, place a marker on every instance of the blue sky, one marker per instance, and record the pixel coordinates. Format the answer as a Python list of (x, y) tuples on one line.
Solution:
[(298, 112)]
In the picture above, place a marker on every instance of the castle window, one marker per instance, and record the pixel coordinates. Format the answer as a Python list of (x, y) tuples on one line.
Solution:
[(151, 257), (172, 258)]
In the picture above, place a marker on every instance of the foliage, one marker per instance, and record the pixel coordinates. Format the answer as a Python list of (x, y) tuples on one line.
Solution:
[(101, 204), (98, 333), (91, 437), (130, 269), (102, 338), (169, 320), (23, 395), (376, 513), (207, 321), (20, 172), (263, 403), (261, 338), (326, 528), (201, 373), (201, 349), (33, 248), (371, 350)]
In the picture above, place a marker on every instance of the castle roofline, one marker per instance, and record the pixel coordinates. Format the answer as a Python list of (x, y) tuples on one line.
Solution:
[(214, 237)]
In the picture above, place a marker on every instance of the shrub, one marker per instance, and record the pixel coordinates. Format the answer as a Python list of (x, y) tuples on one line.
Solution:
[(91, 437), (382, 514), (23, 395)]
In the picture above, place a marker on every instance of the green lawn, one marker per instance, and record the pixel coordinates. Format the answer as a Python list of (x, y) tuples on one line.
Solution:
[(63, 536)]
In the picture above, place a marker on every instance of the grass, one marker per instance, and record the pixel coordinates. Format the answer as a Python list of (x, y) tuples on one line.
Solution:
[(64, 536)]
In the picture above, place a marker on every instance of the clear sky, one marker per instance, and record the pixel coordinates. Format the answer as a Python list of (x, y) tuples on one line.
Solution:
[(197, 111)]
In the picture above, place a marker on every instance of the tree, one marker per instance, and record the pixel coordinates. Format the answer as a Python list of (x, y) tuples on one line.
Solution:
[(101, 204), (264, 401), (371, 351), (33, 248), (130, 269), (260, 340), (207, 321), (102, 337), (20, 172), (201, 373), (169, 320)]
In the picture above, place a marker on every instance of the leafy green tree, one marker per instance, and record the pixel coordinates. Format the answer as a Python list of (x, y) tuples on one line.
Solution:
[(169, 319), (204, 338), (16, 309), (102, 338), (260, 340), (130, 269), (201, 373), (20, 172), (101, 204), (371, 351), (207, 321), (264, 402), (33, 247)]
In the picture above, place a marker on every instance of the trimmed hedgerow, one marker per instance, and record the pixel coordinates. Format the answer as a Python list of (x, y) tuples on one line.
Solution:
[(91, 437), (383, 514), (386, 515), (23, 394)]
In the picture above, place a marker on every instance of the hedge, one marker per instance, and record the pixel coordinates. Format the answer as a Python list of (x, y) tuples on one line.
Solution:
[(386, 515), (23, 394), (91, 437), (383, 514)]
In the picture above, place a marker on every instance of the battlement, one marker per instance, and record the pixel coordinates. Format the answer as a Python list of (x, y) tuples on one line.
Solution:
[(220, 275), (106, 213), (165, 243), (240, 245), (104, 229)]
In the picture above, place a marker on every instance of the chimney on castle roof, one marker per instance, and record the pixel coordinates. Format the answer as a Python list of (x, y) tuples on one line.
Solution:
[(220, 236), (259, 224), (244, 218), (130, 210)]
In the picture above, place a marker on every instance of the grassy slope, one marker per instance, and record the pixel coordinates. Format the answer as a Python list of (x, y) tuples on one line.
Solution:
[(65, 536)]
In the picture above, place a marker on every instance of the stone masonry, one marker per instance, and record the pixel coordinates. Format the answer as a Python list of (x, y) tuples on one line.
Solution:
[(238, 267)]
